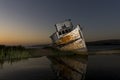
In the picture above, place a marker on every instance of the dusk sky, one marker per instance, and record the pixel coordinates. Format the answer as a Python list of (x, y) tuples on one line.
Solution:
[(28, 22)]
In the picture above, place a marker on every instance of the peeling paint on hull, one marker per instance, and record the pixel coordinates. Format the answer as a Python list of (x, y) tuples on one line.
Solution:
[(72, 41), (69, 37), (76, 45)]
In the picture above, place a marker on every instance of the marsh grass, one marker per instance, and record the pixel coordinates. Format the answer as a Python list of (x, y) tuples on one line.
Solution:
[(12, 53)]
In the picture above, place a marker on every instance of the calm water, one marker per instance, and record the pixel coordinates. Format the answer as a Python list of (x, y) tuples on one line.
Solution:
[(103, 67), (100, 67), (30, 69)]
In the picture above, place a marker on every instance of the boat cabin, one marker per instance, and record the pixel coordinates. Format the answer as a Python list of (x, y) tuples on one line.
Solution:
[(62, 29)]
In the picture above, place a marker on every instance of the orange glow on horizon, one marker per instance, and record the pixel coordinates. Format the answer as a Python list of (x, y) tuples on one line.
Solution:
[(22, 42), (20, 39), (14, 33)]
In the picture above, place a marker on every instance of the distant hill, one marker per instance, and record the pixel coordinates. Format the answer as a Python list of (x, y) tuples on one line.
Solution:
[(105, 42), (93, 43), (38, 46)]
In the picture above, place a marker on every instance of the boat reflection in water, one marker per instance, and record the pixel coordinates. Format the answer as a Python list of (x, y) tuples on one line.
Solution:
[(69, 67)]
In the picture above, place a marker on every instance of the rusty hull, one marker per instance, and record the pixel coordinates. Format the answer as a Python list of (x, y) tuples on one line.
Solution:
[(68, 37)]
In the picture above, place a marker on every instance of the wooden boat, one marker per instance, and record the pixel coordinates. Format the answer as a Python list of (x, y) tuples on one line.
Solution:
[(68, 37)]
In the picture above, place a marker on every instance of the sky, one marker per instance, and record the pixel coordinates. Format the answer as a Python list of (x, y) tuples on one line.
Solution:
[(28, 22)]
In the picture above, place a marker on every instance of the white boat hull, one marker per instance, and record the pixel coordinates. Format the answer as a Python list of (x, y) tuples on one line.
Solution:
[(68, 40), (71, 41)]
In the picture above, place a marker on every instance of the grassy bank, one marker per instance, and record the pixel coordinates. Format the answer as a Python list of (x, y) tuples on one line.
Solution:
[(12, 53)]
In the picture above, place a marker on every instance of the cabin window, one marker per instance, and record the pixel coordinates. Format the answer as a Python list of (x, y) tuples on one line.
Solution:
[(63, 32), (69, 30), (66, 31), (59, 33)]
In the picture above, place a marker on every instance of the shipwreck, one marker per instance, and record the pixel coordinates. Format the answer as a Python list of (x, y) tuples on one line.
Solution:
[(68, 37)]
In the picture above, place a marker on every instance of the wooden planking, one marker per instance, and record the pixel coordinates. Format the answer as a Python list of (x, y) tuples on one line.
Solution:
[(69, 37)]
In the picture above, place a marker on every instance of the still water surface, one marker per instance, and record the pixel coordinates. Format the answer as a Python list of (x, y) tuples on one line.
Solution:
[(100, 67), (103, 67), (30, 69)]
